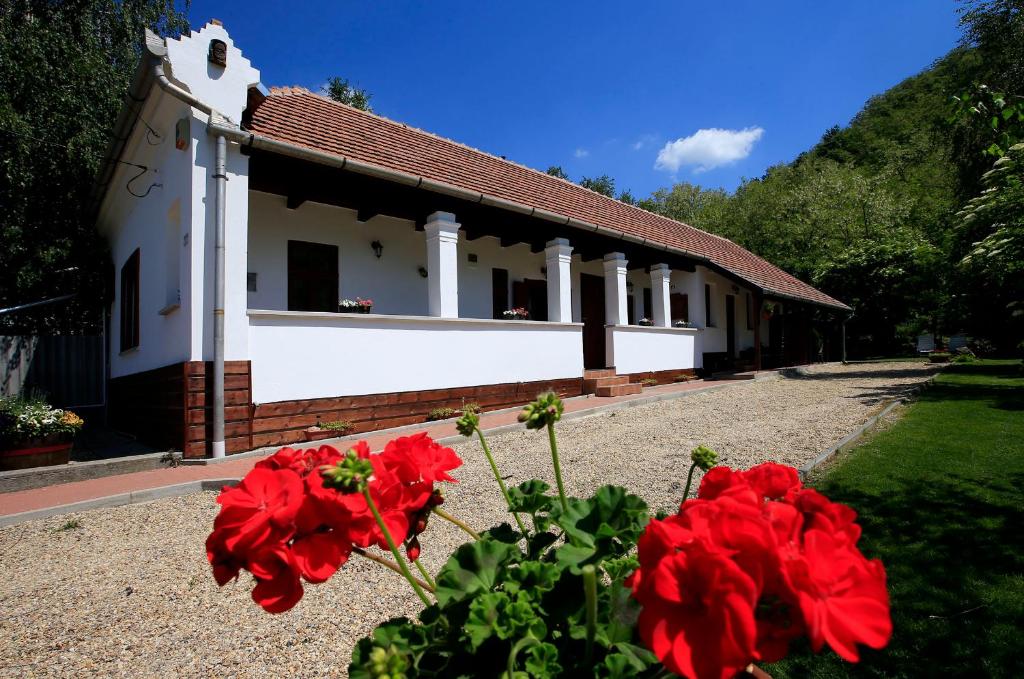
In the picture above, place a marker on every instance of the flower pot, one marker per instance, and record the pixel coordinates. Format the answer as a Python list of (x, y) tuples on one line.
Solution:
[(41, 452), (318, 434)]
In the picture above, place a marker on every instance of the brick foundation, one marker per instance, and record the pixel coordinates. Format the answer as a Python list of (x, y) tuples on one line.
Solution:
[(282, 422), (663, 376), (169, 407)]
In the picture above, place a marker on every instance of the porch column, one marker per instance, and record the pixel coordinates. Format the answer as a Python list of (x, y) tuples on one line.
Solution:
[(615, 312), (661, 281), (558, 256), (442, 233)]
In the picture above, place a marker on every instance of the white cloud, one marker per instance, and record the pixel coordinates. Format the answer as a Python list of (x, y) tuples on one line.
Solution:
[(581, 153), (644, 140), (708, 148)]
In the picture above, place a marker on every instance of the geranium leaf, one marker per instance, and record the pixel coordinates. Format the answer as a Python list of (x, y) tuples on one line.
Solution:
[(531, 497), (504, 533), (473, 568), (542, 661), (610, 522), (483, 617)]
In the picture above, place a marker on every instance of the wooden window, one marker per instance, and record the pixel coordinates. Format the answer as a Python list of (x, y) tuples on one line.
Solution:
[(630, 310), (750, 312), (531, 294), (707, 306), (130, 302), (648, 304), (312, 276), (499, 292)]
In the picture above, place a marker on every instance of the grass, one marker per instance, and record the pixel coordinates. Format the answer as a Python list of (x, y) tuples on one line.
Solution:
[(940, 498)]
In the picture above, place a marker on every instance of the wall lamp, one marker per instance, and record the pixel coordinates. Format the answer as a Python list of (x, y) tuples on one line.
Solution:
[(378, 249)]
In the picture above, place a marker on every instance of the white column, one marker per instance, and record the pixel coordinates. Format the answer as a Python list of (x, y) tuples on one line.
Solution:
[(558, 256), (661, 281), (615, 289), (442, 233)]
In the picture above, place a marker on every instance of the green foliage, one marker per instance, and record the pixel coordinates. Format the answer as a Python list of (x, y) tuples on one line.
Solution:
[(604, 185), (26, 419), (64, 70), (557, 171), (502, 609), (341, 90)]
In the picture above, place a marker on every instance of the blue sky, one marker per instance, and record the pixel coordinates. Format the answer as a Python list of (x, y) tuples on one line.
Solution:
[(614, 88)]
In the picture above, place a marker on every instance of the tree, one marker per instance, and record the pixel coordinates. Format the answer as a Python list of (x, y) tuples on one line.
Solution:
[(341, 90), (64, 70), (557, 171), (604, 185)]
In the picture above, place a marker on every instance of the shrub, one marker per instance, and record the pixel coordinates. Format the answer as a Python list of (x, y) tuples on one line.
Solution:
[(23, 419), (938, 357), (340, 426), (440, 414), (649, 382), (471, 407)]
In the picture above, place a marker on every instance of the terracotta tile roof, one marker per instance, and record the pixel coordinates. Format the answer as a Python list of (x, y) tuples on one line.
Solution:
[(297, 116)]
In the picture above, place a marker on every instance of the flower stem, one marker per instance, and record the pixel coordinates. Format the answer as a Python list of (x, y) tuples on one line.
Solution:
[(497, 477), (448, 517), (520, 645), (590, 590), (387, 564), (394, 548), (689, 480), (558, 467), (426, 575)]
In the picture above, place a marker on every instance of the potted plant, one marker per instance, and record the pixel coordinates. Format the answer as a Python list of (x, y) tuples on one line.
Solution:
[(34, 434), (646, 322), (568, 586), (355, 306), (516, 314), (328, 430), (769, 310)]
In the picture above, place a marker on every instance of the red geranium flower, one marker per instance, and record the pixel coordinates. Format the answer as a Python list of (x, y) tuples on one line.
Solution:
[(260, 510), (842, 595), (698, 615), (772, 480), (278, 587), (420, 458)]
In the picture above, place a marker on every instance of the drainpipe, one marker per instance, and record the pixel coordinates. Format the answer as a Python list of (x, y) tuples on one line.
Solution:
[(844, 339), (220, 177)]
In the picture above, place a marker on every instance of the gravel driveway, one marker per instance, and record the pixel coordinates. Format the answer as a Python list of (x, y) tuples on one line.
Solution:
[(127, 591)]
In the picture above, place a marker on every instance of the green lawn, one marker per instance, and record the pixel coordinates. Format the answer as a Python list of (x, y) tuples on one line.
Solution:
[(940, 498)]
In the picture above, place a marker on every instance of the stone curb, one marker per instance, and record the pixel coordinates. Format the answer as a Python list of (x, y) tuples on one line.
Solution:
[(133, 497), (864, 428), (38, 477)]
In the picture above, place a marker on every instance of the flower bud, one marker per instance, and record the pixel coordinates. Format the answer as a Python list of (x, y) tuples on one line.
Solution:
[(388, 663), (349, 475), (412, 549), (468, 423), (703, 457), (547, 409)]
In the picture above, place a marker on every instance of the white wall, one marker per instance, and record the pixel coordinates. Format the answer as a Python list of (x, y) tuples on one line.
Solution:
[(714, 337), (343, 354), (159, 226), (640, 349)]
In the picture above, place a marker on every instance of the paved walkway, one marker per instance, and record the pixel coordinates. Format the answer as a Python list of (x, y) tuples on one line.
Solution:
[(79, 491)]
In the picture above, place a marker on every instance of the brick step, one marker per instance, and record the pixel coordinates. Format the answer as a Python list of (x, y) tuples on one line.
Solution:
[(595, 373), (618, 390), (589, 385)]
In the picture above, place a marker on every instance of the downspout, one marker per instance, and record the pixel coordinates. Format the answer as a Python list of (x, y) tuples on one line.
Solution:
[(217, 447)]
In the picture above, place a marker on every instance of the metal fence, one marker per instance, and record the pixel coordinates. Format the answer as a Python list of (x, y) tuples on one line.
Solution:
[(68, 370)]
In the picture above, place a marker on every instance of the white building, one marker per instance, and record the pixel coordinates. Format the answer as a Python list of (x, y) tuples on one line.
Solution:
[(315, 202)]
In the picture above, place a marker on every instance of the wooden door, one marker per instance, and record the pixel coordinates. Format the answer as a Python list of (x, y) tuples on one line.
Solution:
[(499, 292), (730, 325), (592, 311), (679, 307)]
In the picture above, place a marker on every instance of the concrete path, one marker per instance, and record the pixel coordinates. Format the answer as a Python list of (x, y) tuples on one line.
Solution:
[(55, 496)]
